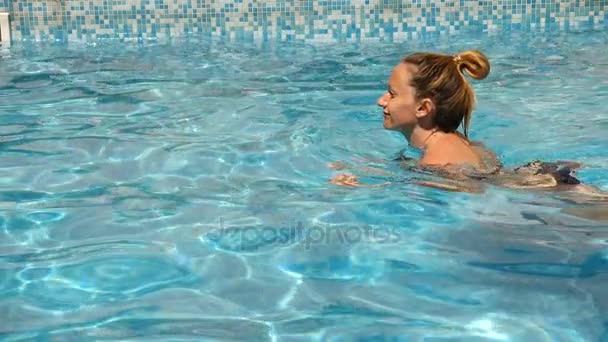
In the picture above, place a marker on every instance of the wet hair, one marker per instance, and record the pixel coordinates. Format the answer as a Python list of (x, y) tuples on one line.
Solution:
[(442, 79)]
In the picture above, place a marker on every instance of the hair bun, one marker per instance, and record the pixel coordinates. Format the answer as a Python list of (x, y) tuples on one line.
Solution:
[(474, 63)]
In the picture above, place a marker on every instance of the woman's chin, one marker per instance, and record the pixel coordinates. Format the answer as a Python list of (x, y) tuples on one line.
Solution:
[(387, 122)]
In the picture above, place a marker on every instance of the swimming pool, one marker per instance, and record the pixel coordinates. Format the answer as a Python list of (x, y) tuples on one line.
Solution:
[(179, 191)]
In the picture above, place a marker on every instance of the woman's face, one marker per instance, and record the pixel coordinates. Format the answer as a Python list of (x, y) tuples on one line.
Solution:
[(399, 103)]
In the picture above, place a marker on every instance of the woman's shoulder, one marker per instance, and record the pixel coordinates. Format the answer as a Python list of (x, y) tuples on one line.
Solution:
[(489, 161), (481, 163)]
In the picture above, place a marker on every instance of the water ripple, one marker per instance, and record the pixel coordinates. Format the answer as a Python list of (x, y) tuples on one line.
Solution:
[(180, 191), (68, 254), (102, 280)]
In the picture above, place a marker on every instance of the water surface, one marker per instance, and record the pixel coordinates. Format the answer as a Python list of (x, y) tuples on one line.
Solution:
[(179, 191)]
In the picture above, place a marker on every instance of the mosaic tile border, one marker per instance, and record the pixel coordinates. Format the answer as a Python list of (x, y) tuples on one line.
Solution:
[(318, 20)]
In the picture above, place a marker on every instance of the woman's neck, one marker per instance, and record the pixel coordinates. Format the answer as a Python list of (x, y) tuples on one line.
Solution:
[(421, 137)]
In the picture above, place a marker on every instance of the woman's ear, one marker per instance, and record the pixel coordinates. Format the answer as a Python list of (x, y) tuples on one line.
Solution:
[(425, 108)]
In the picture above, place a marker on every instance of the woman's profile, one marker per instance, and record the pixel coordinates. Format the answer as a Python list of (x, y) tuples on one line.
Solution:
[(428, 98)]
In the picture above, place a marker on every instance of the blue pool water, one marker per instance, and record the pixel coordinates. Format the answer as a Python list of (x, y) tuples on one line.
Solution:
[(179, 191)]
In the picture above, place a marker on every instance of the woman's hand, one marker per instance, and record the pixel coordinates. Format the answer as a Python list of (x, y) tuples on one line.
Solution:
[(348, 180), (345, 179)]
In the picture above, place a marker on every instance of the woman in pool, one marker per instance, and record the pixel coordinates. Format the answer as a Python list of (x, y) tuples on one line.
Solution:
[(427, 100)]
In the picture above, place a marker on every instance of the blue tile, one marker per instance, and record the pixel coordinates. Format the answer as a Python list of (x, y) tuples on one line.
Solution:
[(308, 18)]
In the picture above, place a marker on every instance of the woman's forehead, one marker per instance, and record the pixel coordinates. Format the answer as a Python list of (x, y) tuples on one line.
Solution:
[(400, 76)]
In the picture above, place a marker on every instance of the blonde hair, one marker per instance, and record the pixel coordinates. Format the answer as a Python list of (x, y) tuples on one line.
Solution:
[(441, 78)]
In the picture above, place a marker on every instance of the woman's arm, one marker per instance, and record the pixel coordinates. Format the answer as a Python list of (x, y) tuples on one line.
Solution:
[(457, 186)]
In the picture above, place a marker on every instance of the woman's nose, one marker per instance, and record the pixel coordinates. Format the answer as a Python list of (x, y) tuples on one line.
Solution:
[(382, 100)]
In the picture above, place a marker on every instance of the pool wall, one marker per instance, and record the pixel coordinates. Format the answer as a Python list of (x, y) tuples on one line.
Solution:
[(299, 20)]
